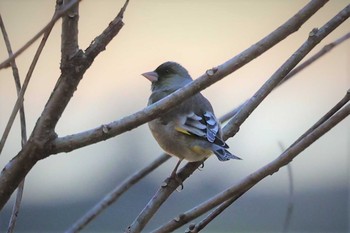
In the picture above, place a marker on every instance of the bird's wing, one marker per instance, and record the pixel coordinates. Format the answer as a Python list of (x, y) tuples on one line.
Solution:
[(203, 125)]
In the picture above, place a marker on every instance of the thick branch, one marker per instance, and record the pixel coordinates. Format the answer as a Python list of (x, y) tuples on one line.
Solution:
[(69, 41), (37, 146), (104, 132)]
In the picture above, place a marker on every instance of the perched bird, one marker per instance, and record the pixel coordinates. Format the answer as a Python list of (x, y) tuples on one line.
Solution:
[(190, 130)]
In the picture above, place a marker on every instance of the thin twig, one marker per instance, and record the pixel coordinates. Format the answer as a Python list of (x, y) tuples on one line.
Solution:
[(48, 27), (202, 224), (194, 228), (20, 98), (113, 196), (247, 183), (16, 206), (326, 49), (290, 206), (331, 112)]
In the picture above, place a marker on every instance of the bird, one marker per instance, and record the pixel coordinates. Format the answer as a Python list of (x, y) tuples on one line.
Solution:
[(189, 130)]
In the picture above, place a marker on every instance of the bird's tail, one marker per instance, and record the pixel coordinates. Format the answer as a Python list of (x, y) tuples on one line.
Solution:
[(223, 154)]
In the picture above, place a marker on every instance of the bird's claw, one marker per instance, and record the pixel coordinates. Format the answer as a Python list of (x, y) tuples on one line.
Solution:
[(201, 166)]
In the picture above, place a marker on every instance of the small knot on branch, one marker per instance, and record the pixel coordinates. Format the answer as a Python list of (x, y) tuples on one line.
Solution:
[(191, 228), (212, 71), (179, 218), (313, 32), (105, 129)]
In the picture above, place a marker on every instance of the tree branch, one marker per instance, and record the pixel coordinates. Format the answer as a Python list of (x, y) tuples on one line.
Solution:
[(38, 144), (234, 192), (69, 41), (16, 206), (20, 95), (232, 127), (326, 49), (104, 132), (315, 36), (227, 203), (49, 26), (114, 195)]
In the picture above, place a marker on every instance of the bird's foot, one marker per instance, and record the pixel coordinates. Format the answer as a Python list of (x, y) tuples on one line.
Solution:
[(201, 166)]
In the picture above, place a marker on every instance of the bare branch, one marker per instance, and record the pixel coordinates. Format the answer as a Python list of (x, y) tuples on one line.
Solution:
[(331, 112), (16, 207), (247, 183), (69, 41), (202, 224), (326, 49), (232, 127), (20, 98), (113, 196), (104, 132), (315, 36), (290, 205), (59, 13), (100, 42), (38, 146)]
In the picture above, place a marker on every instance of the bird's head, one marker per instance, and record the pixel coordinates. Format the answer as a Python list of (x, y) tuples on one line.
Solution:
[(168, 76)]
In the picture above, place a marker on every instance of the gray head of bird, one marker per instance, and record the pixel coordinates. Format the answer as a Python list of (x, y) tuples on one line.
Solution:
[(168, 76)]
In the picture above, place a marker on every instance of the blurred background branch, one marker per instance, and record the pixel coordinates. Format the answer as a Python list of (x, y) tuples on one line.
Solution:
[(16, 206)]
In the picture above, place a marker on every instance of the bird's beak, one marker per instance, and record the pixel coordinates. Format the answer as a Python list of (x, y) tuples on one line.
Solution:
[(151, 76)]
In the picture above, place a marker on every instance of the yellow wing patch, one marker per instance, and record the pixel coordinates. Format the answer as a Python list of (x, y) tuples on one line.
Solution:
[(181, 130), (201, 151)]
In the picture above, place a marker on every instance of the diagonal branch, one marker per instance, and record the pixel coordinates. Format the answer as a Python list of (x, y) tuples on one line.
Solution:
[(59, 13), (227, 203), (18, 201), (113, 196), (104, 132), (38, 144), (231, 194), (315, 36), (330, 113), (20, 97), (326, 49), (232, 127)]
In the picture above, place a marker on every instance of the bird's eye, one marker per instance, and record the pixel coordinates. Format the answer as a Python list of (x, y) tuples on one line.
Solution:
[(167, 71)]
